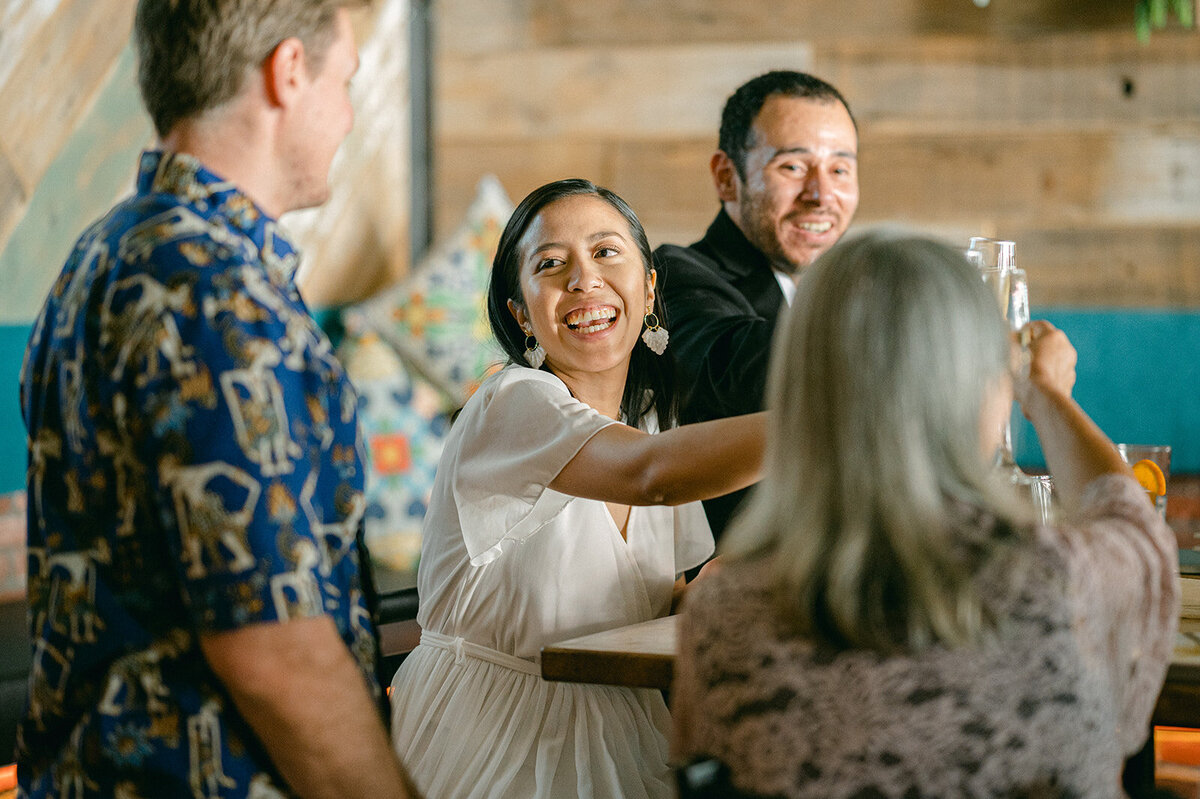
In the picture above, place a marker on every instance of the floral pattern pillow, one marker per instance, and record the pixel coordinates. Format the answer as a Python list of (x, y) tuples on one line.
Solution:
[(404, 420), (437, 318)]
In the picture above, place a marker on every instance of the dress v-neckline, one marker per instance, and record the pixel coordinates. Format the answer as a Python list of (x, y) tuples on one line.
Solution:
[(623, 532)]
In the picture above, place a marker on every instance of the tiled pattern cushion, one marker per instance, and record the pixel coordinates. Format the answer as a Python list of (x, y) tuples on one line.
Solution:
[(404, 421), (437, 318)]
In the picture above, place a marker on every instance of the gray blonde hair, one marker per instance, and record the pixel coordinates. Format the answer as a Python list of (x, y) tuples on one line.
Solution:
[(878, 379), (193, 55)]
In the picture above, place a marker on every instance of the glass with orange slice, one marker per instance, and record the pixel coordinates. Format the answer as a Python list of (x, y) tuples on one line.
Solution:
[(1151, 465)]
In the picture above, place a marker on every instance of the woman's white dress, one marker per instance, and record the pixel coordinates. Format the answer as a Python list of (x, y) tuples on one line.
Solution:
[(508, 566)]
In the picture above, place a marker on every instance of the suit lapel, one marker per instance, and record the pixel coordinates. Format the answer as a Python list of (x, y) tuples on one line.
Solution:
[(742, 265)]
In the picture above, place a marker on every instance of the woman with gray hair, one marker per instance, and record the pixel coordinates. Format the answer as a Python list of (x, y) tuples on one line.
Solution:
[(889, 620)]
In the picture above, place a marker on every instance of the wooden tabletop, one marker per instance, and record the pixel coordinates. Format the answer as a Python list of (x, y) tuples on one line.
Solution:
[(643, 656), (639, 656)]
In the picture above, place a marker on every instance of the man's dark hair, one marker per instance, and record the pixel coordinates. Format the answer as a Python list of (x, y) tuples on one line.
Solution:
[(744, 104), (193, 55), (651, 381)]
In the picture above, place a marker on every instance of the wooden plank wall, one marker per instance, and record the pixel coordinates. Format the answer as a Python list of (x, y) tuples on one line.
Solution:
[(358, 242), (52, 65), (56, 67), (1044, 121)]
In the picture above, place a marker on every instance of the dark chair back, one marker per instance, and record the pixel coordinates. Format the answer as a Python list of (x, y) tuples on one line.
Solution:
[(15, 660)]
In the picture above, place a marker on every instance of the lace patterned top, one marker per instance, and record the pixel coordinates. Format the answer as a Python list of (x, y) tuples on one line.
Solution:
[(1052, 708)]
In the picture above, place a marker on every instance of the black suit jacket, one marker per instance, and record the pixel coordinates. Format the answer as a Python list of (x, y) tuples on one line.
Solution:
[(722, 300)]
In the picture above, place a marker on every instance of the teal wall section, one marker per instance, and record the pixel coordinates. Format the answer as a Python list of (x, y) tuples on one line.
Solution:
[(1138, 376), (12, 428)]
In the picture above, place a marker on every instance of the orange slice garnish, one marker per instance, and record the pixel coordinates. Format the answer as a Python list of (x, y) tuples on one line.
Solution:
[(1150, 477)]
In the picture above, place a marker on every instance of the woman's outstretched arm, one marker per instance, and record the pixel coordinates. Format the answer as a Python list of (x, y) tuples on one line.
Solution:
[(684, 464)]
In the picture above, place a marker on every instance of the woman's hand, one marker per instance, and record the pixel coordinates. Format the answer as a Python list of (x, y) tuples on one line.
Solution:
[(1051, 365)]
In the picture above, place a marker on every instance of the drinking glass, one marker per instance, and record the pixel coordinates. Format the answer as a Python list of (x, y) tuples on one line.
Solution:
[(1160, 455), (996, 261), (1041, 493)]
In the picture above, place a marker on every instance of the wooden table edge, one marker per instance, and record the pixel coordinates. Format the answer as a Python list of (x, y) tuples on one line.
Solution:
[(638, 671)]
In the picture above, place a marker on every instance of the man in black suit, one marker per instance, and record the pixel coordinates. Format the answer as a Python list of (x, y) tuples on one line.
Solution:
[(786, 175)]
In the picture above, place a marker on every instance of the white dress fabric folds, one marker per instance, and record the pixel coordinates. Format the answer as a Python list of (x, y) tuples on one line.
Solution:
[(508, 566)]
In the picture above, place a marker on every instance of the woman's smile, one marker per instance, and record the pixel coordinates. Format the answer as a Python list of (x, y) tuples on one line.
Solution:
[(593, 319)]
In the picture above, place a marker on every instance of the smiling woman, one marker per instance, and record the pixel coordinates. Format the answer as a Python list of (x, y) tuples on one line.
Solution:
[(584, 290), (585, 245), (559, 509)]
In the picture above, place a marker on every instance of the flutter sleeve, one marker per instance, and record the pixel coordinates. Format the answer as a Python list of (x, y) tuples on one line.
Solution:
[(518, 432), (1123, 571)]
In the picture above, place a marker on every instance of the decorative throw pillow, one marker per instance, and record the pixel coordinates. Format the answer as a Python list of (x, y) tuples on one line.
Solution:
[(12, 545), (437, 318), (404, 420)]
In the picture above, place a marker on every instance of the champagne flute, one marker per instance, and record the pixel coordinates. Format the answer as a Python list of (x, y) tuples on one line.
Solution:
[(996, 262)]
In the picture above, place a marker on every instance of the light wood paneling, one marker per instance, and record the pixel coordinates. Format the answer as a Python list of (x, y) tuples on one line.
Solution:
[(19, 22), (13, 197), (669, 185), (652, 21), (60, 69), (96, 165), (613, 92), (935, 83), (1056, 176), (483, 26), (1131, 266), (466, 27), (58, 56), (1041, 120), (521, 166), (970, 180), (1067, 81)]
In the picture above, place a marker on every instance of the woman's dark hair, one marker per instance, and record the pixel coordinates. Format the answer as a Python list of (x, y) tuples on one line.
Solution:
[(651, 380)]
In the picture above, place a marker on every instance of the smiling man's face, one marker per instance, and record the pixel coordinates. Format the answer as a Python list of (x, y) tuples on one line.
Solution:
[(800, 187)]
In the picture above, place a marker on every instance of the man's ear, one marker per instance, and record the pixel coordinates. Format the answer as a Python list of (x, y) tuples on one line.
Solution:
[(725, 177), (285, 71)]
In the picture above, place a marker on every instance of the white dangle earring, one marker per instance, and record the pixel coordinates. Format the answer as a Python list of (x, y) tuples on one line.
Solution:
[(654, 335), (535, 356)]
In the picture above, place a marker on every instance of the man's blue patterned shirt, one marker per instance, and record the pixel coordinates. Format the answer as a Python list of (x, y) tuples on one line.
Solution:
[(194, 466)]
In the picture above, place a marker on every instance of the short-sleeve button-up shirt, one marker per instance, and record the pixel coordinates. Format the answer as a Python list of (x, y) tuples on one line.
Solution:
[(194, 466)]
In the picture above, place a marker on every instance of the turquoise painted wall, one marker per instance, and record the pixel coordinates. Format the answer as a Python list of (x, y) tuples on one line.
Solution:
[(12, 429), (1138, 376)]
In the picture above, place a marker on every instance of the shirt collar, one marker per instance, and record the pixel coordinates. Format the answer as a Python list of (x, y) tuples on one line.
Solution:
[(787, 284), (183, 176)]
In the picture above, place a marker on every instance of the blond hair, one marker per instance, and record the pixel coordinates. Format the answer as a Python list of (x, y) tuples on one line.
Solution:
[(193, 55)]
